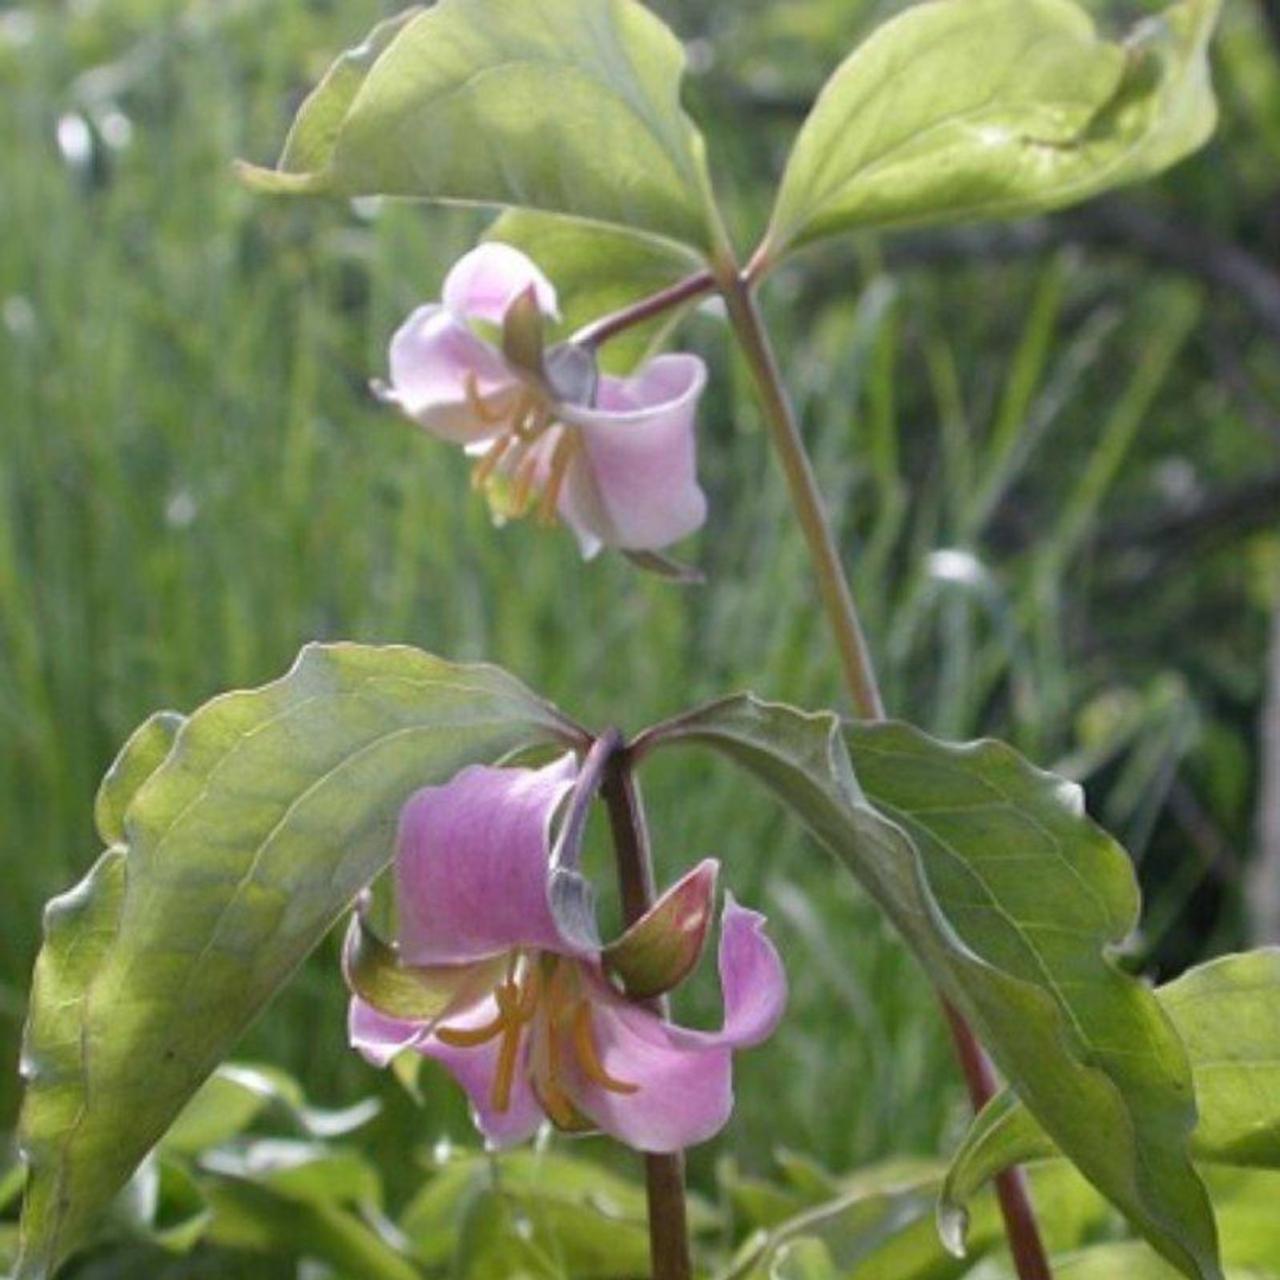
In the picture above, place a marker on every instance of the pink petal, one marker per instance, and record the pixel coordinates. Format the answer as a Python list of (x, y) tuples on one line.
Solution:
[(433, 354), (752, 980), (377, 1037), (474, 1069), (486, 281), (684, 1077), (634, 483), (472, 864), (684, 1096), (380, 1039)]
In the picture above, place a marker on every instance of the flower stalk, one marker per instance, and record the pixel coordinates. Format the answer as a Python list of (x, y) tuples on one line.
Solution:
[(664, 1174), (600, 331)]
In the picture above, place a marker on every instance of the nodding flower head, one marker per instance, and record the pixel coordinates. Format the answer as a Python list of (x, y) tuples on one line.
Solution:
[(613, 457), (534, 1022)]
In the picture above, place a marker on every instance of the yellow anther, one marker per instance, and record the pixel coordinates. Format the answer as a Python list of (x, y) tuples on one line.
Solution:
[(584, 1045)]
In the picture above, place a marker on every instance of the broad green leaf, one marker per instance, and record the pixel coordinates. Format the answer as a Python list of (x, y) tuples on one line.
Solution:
[(1013, 899), (567, 106), (273, 808), (1228, 1015), (965, 109), (596, 271)]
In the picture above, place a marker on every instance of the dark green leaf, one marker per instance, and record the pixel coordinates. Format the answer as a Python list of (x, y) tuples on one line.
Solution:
[(1013, 900), (1228, 1014)]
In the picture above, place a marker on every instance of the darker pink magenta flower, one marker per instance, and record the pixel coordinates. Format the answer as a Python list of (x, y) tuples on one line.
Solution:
[(534, 1023), (613, 457)]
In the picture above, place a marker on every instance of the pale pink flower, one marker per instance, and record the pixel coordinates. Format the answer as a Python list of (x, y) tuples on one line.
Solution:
[(613, 457), (535, 1024)]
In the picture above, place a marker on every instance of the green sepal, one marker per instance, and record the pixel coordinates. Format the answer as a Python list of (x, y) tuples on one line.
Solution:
[(661, 949), (414, 993), (522, 342)]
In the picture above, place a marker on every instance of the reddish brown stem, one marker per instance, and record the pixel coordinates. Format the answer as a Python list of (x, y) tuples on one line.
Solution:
[(606, 327), (1011, 1186), (860, 677), (664, 1175)]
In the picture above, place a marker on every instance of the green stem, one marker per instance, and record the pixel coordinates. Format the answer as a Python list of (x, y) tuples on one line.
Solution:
[(664, 1174), (859, 672)]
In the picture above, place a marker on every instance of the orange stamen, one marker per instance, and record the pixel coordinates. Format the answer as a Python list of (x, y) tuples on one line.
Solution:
[(470, 1037), (560, 460), (504, 1074), (485, 467), (588, 1055), (487, 415), (526, 474)]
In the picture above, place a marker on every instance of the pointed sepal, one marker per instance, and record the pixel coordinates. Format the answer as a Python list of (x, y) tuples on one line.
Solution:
[(414, 993), (660, 950)]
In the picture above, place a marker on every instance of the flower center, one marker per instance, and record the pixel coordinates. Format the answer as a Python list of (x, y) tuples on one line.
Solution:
[(546, 992), (521, 451)]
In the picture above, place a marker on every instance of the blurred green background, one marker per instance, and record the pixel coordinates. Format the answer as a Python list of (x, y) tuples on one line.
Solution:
[(1052, 450)]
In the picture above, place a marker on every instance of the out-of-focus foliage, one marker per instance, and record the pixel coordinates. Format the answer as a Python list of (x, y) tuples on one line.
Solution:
[(1051, 449), (253, 1182)]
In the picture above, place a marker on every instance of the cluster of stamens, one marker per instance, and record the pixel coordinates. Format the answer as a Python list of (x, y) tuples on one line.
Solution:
[(514, 450), (540, 995)]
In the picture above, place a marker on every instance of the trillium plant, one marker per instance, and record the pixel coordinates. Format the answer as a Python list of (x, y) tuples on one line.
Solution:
[(441, 811)]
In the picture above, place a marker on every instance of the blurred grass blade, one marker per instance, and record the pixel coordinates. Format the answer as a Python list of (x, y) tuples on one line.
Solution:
[(273, 808), (1228, 1014), (567, 106), (964, 109), (1013, 900)]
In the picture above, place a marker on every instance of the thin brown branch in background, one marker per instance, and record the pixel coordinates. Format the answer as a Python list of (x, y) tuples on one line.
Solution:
[(1264, 874)]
